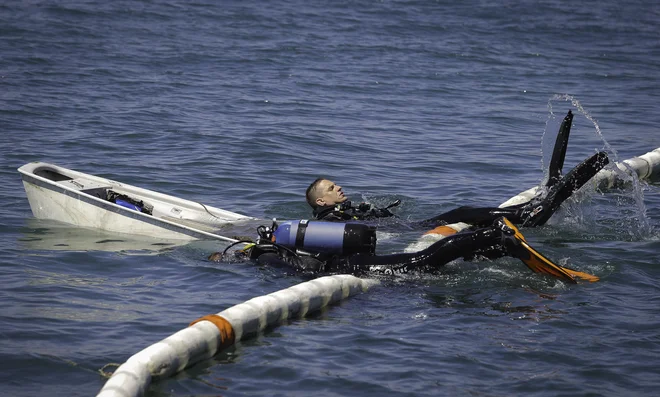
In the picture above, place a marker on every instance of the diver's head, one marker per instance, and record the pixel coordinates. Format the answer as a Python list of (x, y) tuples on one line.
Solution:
[(323, 192)]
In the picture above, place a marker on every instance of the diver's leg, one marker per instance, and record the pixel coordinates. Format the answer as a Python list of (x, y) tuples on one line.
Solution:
[(537, 212), (464, 244), (500, 239), (477, 216)]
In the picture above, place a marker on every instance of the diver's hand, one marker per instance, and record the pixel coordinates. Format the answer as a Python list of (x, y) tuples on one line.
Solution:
[(364, 207), (385, 212), (381, 213)]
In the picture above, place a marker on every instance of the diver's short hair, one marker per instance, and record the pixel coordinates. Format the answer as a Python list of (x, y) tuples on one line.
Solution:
[(312, 192)]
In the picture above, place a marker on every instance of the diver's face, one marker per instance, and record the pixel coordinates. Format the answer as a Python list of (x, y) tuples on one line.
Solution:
[(329, 193)]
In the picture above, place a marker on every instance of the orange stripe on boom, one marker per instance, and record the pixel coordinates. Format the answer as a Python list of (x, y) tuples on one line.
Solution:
[(226, 330)]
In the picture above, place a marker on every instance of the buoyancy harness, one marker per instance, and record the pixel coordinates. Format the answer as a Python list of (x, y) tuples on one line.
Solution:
[(347, 211)]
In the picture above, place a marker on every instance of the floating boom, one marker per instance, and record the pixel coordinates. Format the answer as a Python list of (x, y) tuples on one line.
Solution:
[(206, 336)]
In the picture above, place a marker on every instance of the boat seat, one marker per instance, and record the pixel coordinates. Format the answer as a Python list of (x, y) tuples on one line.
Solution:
[(82, 184), (87, 186)]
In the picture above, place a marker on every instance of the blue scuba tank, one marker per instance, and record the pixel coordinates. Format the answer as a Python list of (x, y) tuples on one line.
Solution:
[(327, 237)]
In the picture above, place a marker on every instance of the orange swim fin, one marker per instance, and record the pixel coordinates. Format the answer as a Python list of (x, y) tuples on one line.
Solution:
[(538, 262)]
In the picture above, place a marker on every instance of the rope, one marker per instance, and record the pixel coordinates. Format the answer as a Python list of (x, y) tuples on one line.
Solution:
[(105, 374), (210, 213)]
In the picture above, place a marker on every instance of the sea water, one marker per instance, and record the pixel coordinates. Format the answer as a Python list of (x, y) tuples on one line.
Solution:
[(241, 104)]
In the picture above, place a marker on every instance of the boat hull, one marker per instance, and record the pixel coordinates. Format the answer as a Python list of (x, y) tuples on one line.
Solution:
[(79, 199)]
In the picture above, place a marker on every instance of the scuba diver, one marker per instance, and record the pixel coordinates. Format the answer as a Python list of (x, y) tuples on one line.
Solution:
[(329, 202), (318, 246)]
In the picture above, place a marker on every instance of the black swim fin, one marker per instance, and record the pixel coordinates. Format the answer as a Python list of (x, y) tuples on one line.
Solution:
[(559, 152), (537, 213), (518, 247)]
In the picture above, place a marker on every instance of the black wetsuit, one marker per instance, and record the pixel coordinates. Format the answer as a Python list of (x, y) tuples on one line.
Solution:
[(488, 242)]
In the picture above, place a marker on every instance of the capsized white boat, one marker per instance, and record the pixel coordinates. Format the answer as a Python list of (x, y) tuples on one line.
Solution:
[(85, 200)]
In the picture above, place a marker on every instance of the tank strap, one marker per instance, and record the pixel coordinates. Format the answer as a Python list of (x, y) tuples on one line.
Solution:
[(300, 234)]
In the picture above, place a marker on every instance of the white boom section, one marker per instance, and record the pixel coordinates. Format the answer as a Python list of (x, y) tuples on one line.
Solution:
[(208, 335)]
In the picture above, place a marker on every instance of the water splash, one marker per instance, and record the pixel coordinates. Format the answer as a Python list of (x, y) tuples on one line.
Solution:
[(637, 225), (644, 228), (570, 98)]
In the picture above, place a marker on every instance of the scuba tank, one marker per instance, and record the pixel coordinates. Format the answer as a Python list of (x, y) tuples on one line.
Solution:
[(326, 237)]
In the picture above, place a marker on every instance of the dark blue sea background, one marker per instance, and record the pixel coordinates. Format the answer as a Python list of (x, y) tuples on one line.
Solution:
[(241, 104)]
